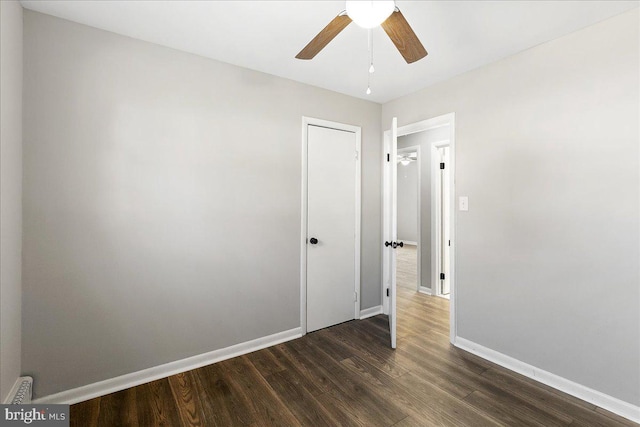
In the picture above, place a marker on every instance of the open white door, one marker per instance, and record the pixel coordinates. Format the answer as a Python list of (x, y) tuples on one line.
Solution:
[(390, 225)]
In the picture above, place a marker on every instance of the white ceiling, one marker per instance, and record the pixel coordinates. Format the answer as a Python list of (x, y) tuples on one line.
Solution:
[(266, 35)]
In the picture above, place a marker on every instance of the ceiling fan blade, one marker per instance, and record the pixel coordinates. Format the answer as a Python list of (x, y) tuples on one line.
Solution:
[(323, 38), (401, 34)]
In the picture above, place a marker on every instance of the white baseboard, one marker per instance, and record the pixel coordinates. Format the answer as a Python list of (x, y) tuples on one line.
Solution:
[(123, 382), (370, 312), (409, 242), (612, 404), (425, 290)]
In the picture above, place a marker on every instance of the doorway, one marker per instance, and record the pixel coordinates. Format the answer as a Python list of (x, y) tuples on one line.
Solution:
[(437, 228), (408, 200), (330, 226)]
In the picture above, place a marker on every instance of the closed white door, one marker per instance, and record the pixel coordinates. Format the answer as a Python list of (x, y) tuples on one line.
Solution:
[(331, 226)]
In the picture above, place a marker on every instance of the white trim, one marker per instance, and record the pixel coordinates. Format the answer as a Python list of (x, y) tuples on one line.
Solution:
[(112, 385), (424, 290), (306, 121), (303, 232), (370, 312), (436, 196), (433, 123), (453, 322), (409, 243), (429, 124), (604, 401), (358, 201)]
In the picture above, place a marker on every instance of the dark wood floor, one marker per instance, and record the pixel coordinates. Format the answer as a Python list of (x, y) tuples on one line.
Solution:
[(348, 375)]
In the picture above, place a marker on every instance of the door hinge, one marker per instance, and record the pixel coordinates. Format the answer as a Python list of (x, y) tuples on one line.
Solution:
[(388, 157), (355, 296), (441, 165), (441, 276), (449, 242), (387, 291), (357, 155)]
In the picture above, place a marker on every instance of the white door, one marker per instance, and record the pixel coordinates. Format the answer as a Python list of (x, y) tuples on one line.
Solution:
[(390, 225), (331, 226)]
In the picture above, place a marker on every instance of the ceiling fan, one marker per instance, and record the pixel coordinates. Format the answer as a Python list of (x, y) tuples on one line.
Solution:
[(369, 14), (405, 159)]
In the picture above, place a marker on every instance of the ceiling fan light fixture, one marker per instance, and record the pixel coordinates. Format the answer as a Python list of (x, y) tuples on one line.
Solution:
[(369, 13)]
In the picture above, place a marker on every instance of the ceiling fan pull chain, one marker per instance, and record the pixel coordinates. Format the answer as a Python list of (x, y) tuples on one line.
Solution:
[(371, 69)]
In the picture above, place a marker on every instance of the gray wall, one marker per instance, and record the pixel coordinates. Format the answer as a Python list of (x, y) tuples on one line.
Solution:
[(162, 202), (10, 192), (547, 255), (424, 140), (408, 202)]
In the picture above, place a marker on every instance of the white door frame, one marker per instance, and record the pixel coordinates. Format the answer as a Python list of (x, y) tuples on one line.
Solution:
[(436, 122), (416, 148), (306, 121), (436, 229)]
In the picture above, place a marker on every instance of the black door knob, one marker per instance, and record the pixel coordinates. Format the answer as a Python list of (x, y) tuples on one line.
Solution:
[(401, 244), (313, 240), (387, 244), (395, 245)]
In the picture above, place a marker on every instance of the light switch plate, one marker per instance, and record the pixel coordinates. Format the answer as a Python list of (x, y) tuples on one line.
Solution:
[(463, 203)]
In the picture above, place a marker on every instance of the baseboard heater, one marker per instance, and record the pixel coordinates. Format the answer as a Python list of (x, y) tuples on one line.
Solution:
[(21, 392)]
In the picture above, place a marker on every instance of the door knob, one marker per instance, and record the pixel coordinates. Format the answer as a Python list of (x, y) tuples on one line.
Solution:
[(313, 240), (394, 244)]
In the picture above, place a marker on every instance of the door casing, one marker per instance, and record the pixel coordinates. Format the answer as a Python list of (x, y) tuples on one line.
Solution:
[(436, 216), (306, 121)]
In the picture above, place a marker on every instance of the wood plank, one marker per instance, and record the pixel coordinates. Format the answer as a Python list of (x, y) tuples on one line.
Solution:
[(546, 401), (305, 379), (183, 387), (512, 415), (300, 402), (307, 365), (155, 405), (265, 362), (439, 407), (256, 394), (119, 408), (365, 403), (85, 414), (225, 407), (616, 418), (408, 399)]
